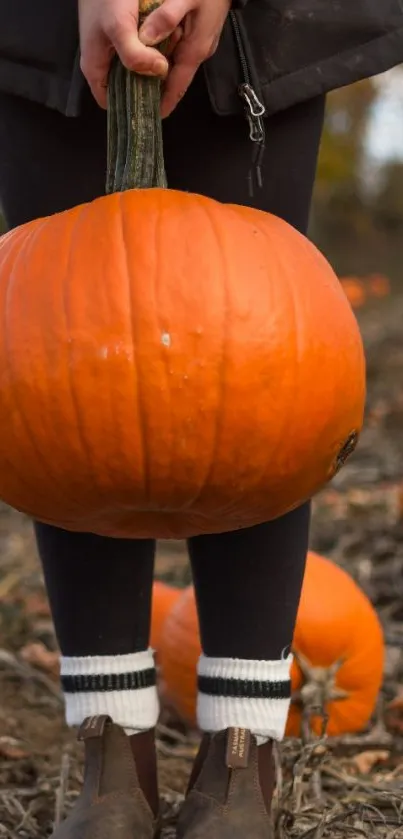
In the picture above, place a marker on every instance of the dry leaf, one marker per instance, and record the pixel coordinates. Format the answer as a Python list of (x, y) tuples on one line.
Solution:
[(37, 604), (394, 723), (11, 749), (8, 583), (365, 761), (394, 712), (42, 658), (397, 703)]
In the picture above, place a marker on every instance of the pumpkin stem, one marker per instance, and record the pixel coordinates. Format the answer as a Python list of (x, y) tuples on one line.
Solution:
[(135, 148), (318, 690)]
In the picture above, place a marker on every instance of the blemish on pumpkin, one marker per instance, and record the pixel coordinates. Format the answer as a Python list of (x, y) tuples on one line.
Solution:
[(345, 451), (115, 350), (166, 339)]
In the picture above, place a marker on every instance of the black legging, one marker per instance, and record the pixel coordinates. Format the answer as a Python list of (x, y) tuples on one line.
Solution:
[(247, 583)]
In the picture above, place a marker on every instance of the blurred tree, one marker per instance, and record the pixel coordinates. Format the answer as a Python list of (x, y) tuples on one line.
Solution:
[(388, 203), (347, 114), (343, 222)]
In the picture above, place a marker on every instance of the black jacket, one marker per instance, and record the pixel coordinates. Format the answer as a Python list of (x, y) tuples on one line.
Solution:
[(285, 50)]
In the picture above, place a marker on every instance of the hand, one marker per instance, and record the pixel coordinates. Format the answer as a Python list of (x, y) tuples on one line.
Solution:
[(202, 22), (107, 26)]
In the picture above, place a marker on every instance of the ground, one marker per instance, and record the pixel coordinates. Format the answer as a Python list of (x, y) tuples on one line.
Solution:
[(346, 787)]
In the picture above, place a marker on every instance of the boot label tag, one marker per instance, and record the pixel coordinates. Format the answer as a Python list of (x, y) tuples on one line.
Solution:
[(238, 748)]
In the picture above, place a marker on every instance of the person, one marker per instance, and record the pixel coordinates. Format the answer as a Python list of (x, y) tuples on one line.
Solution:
[(243, 107)]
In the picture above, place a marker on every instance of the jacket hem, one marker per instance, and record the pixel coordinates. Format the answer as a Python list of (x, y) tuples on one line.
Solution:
[(340, 70), (43, 88)]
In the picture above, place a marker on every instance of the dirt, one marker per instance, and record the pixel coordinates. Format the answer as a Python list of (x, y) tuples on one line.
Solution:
[(348, 786)]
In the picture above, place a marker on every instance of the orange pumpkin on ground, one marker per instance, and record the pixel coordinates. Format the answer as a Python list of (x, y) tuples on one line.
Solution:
[(355, 291), (170, 366), (178, 656), (378, 285), (164, 598), (338, 641)]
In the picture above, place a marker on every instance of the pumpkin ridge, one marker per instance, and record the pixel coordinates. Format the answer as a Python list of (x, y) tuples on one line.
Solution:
[(221, 364), (295, 387), (66, 300), (5, 341), (138, 396), (282, 430), (21, 258), (74, 217), (161, 330)]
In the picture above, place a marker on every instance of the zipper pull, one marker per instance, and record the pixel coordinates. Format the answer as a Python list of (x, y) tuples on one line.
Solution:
[(255, 110)]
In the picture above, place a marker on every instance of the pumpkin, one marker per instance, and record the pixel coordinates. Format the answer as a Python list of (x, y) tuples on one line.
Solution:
[(378, 285), (354, 290), (164, 598), (170, 366), (338, 653), (178, 656)]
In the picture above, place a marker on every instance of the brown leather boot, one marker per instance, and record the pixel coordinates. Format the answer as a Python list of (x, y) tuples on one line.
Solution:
[(119, 798), (230, 789)]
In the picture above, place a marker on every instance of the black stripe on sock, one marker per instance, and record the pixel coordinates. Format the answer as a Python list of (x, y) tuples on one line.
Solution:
[(244, 688), (109, 681)]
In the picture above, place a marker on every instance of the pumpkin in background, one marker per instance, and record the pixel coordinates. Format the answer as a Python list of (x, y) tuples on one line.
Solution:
[(355, 291), (338, 641), (164, 598), (378, 285), (178, 657), (170, 366)]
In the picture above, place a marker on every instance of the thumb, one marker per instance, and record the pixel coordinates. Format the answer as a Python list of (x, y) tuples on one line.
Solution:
[(136, 56), (161, 23)]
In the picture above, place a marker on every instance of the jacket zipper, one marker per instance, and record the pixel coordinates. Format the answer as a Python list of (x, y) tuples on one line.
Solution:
[(254, 108)]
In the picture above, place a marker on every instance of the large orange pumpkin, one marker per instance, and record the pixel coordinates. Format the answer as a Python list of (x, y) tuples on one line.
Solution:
[(170, 365), (338, 642), (164, 598)]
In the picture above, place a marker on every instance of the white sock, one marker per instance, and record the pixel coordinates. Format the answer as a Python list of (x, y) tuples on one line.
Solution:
[(238, 693), (122, 687)]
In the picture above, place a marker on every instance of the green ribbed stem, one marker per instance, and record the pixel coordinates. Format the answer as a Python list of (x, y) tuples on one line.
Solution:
[(135, 148)]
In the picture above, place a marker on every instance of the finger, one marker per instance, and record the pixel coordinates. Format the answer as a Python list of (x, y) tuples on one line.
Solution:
[(173, 41), (163, 21), (132, 52), (214, 46), (97, 52), (96, 56)]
